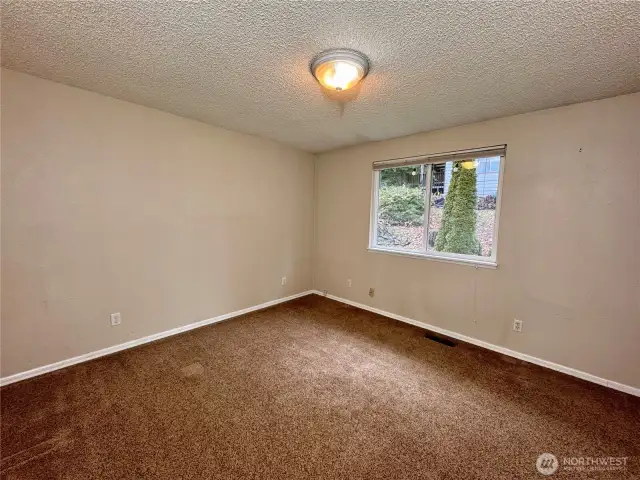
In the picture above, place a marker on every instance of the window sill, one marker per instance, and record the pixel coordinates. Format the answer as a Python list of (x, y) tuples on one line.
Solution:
[(438, 258)]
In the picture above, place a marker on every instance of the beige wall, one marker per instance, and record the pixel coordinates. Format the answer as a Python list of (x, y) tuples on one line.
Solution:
[(569, 253), (113, 207), (109, 206)]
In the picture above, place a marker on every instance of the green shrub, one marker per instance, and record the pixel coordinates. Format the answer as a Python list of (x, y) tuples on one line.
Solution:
[(399, 176), (401, 205)]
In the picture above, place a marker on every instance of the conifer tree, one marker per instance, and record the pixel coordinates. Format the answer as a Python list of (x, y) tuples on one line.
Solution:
[(458, 230)]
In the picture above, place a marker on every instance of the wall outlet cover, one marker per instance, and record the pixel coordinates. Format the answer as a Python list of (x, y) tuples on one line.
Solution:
[(116, 319)]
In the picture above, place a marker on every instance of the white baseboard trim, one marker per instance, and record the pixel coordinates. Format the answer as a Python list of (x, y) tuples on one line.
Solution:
[(480, 343), (141, 341)]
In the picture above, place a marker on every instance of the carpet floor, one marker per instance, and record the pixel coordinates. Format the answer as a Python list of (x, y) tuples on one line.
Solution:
[(310, 389)]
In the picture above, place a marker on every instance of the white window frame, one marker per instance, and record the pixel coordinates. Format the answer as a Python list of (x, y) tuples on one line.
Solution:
[(473, 260)]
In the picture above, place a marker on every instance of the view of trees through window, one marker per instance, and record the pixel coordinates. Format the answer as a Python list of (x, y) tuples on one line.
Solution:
[(462, 201)]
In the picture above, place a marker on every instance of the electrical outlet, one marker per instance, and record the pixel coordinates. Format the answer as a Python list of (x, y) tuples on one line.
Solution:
[(284, 280), (517, 325), (349, 282), (116, 319), (372, 292)]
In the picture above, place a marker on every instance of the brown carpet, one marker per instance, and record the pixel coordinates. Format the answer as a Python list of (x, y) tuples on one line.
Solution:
[(309, 389)]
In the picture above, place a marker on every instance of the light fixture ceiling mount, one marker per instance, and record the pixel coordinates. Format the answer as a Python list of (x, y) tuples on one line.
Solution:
[(339, 69)]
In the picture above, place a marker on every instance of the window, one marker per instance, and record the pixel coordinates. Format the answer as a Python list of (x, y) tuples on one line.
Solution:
[(443, 206)]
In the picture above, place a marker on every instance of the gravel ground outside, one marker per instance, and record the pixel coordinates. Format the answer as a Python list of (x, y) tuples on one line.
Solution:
[(412, 238)]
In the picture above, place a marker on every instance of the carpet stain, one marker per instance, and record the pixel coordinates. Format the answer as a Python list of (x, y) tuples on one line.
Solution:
[(34, 452), (193, 369), (310, 389)]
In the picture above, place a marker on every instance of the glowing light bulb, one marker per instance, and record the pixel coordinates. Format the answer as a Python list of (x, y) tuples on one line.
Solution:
[(344, 75), (339, 69), (469, 164)]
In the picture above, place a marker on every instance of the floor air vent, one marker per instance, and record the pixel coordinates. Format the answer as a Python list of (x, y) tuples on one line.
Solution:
[(442, 340)]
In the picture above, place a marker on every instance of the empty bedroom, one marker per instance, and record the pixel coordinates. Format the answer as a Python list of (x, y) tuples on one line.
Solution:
[(320, 240)]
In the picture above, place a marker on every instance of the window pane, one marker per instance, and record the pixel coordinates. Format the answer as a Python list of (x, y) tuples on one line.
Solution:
[(463, 209), (401, 202)]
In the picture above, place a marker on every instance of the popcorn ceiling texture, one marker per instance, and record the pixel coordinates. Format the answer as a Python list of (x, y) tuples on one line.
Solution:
[(245, 66)]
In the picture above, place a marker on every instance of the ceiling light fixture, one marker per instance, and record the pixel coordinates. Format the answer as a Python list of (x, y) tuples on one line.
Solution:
[(339, 69)]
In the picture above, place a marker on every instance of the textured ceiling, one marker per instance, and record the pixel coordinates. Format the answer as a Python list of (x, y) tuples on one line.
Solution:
[(245, 65)]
